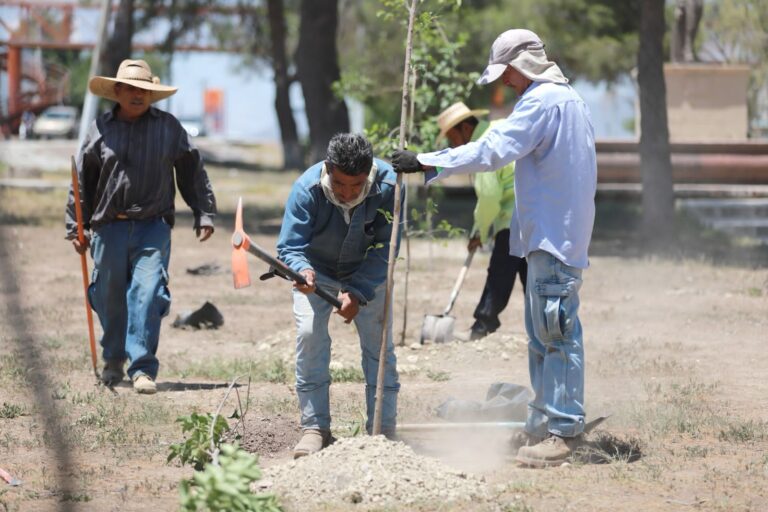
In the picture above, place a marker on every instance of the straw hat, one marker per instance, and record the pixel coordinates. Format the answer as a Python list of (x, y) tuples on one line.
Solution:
[(132, 72), (455, 114)]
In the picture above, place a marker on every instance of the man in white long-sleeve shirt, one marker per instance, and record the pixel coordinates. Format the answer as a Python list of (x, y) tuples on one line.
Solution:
[(550, 136)]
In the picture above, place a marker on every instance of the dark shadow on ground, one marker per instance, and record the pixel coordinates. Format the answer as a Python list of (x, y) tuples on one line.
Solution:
[(602, 447), (617, 233), (191, 386), (165, 386), (26, 347)]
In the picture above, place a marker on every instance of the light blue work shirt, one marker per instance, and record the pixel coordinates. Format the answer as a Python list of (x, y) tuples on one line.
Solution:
[(550, 135)]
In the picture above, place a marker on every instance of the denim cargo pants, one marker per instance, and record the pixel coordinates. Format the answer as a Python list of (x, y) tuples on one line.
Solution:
[(129, 289), (555, 347)]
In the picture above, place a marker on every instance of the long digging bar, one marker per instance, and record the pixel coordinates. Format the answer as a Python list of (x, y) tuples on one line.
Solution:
[(386, 327), (429, 427), (484, 425), (242, 242), (84, 264)]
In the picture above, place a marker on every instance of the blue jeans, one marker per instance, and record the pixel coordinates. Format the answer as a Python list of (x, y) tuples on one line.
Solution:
[(313, 356), (129, 290), (555, 347)]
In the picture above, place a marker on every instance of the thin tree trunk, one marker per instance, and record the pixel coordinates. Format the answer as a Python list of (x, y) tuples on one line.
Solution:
[(318, 68), (406, 233), (655, 162), (292, 154), (119, 45)]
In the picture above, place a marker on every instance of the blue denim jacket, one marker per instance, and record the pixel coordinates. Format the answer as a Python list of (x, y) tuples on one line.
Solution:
[(315, 236)]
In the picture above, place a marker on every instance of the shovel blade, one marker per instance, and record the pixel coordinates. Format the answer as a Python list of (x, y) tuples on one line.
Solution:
[(438, 328)]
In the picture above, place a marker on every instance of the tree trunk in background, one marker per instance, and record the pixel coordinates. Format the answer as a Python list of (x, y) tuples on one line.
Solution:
[(318, 68), (292, 154), (655, 162), (119, 45)]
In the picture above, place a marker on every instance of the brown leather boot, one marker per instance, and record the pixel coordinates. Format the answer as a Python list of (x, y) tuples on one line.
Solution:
[(552, 451), (312, 441), (522, 438)]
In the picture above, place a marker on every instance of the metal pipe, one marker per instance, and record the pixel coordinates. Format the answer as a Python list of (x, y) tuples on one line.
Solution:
[(688, 168), (427, 427), (91, 101)]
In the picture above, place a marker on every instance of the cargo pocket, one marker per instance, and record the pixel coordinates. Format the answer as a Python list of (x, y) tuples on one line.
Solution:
[(92, 290), (163, 295), (553, 319)]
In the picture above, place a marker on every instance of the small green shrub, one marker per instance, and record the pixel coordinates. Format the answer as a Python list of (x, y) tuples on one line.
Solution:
[(226, 486), (10, 411), (274, 371), (438, 376), (347, 374), (744, 432), (195, 449)]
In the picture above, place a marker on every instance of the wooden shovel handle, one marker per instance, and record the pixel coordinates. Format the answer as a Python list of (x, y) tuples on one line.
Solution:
[(83, 263), (459, 281)]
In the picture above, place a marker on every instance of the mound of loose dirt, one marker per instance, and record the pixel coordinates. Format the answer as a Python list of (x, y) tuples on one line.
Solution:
[(369, 470), (269, 437)]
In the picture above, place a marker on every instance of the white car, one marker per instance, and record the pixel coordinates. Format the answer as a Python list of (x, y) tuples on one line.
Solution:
[(58, 121), (194, 126)]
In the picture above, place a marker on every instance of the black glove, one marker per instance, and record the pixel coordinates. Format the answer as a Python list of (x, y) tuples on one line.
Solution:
[(406, 161)]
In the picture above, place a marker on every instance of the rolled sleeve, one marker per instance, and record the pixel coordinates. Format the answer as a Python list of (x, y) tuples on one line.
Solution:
[(296, 230), (193, 183)]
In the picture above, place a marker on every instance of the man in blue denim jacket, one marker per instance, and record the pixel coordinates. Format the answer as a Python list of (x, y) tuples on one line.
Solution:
[(550, 137), (336, 234)]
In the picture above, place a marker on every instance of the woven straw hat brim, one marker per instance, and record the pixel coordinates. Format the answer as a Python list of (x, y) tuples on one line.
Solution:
[(459, 118), (105, 87)]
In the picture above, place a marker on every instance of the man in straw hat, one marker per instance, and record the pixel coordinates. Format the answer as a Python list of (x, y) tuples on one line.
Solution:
[(125, 170), (550, 135), (493, 213)]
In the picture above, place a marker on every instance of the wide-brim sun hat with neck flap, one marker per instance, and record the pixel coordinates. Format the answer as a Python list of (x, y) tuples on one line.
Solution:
[(132, 72), (523, 50), (455, 114)]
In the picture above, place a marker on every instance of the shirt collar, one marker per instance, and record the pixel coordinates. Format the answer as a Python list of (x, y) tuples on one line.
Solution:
[(112, 113), (531, 87)]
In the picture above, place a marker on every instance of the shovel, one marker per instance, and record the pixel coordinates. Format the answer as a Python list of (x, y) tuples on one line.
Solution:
[(440, 327)]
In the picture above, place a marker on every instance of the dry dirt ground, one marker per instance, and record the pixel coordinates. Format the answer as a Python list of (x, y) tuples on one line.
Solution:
[(675, 352)]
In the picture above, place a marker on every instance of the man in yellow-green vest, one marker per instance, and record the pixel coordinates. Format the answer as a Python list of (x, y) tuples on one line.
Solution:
[(493, 214)]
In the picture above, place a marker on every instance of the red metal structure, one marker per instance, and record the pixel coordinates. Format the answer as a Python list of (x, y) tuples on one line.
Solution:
[(48, 25), (34, 85)]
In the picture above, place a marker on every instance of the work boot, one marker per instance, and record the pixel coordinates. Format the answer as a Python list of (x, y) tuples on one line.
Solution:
[(552, 451), (143, 384), (522, 438), (113, 371), (471, 334), (312, 441)]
